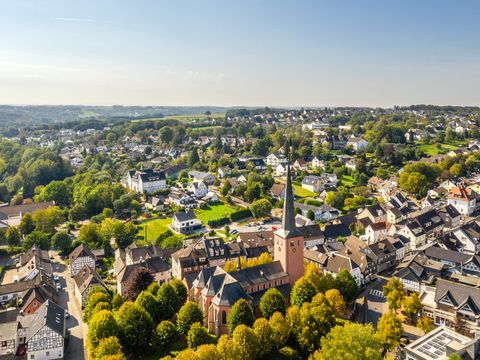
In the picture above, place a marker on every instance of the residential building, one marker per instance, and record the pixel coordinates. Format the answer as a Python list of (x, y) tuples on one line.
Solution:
[(185, 222), (463, 199), (85, 279), (145, 181), (79, 257)]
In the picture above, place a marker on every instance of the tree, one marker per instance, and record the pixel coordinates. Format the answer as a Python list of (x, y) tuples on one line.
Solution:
[(389, 330), (352, 341), (335, 199), (226, 187), (454, 356), (180, 290), (91, 234), (117, 301), (240, 313), (101, 326), (412, 182), (207, 352), (168, 301), (280, 330), (189, 314), (138, 281), (412, 306), (135, 327), (310, 214), (264, 333), (194, 158), (93, 299), (425, 324), (46, 220), (13, 236), (303, 291), (166, 334), (261, 207), (271, 302), (26, 224), (245, 343), (148, 302), (37, 238), (198, 335), (347, 285), (336, 302), (62, 241), (108, 347), (57, 191), (394, 293)]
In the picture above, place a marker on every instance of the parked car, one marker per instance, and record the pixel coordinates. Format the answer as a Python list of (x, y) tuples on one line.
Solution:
[(56, 278), (59, 287)]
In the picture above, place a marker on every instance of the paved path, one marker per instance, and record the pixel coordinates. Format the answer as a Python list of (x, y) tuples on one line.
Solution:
[(76, 349)]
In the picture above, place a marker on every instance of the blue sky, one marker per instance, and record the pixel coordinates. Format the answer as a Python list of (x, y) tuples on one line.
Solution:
[(262, 52)]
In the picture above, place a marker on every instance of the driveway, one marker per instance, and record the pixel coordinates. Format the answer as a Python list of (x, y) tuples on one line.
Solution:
[(76, 349)]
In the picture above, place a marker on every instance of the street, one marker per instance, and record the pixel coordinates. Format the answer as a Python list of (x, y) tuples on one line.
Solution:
[(376, 304), (76, 349)]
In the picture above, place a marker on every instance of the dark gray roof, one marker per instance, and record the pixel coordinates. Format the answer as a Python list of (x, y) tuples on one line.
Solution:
[(288, 229), (48, 314), (185, 216), (81, 250), (437, 253), (458, 293)]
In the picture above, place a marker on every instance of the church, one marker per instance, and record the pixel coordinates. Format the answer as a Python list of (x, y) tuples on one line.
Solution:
[(216, 291)]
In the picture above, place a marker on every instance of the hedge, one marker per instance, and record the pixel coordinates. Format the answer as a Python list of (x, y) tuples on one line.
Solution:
[(218, 222), (240, 214)]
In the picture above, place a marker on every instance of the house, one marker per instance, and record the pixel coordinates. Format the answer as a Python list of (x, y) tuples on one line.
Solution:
[(158, 267), (145, 181), (12, 214), (34, 297), (384, 254), (312, 235), (300, 165), (224, 171), (440, 343), (155, 203), (462, 199), (455, 262), (217, 290), (278, 191), (317, 163), (375, 213), (185, 222), (312, 183), (466, 238), (357, 143), (31, 264), (361, 254), (85, 279), (374, 231), (45, 335), (16, 290), (351, 164), (416, 271), (10, 342), (280, 170), (426, 225), (198, 188), (79, 257), (276, 158), (207, 178)]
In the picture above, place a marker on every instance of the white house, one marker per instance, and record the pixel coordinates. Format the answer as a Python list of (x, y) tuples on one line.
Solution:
[(317, 163), (462, 199), (198, 188), (79, 257), (86, 278), (312, 183), (357, 143), (276, 158), (145, 181), (185, 222)]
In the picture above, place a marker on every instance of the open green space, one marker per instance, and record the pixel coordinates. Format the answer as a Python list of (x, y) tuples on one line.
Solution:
[(213, 212), (153, 228), (346, 180), (302, 193), (187, 118), (432, 149)]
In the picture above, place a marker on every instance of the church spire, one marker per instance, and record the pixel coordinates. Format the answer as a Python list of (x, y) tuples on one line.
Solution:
[(288, 220)]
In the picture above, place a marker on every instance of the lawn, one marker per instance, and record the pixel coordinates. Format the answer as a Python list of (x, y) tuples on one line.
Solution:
[(346, 180), (154, 228), (432, 149), (214, 212), (302, 193)]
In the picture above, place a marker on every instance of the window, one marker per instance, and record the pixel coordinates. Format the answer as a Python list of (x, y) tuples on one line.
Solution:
[(48, 353), (224, 317)]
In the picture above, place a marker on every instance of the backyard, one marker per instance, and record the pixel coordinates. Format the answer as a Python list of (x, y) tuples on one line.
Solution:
[(432, 149), (302, 193), (153, 228), (213, 212)]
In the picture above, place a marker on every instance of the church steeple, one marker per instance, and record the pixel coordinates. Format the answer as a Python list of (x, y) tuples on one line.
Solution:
[(288, 219)]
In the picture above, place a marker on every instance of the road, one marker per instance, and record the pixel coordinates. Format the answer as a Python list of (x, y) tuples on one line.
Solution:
[(76, 349), (376, 304)]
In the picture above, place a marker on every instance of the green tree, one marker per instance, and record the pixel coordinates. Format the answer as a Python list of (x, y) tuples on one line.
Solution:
[(57, 191), (389, 330), (62, 241), (36, 238), (117, 301), (91, 234), (240, 313), (148, 302), (271, 302), (412, 305), (107, 348), (168, 301), (13, 236), (166, 334), (245, 343), (303, 291), (93, 299), (189, 314), (101, 326), (135, 328), (352, 341), (280, 330), (46, 220), (26, 224), (180, 290), (310, 214), (412, 182), (347, 285), (261, 207), (264, 333), (194, 158), (425, 324), (198, 335), (454, 356), (335, 199), (394, 293)]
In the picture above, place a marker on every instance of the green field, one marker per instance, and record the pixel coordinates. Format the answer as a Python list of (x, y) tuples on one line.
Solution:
[(154, 228), (346, 180), (431, 150), (214, 212), (302, 193), (186, 118)]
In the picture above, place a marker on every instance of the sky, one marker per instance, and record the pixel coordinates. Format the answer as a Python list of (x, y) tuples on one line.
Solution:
[(240, 53)]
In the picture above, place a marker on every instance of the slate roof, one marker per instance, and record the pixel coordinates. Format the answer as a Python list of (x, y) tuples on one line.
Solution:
[(185, 216), (81, 250), (458, 293), (86, 277), (155, 265), (9, 211), (48, 314), (333, 231)]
